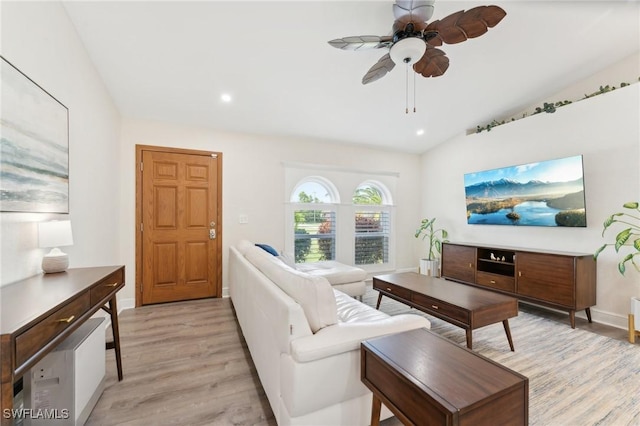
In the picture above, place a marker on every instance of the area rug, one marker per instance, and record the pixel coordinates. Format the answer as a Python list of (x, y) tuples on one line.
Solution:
[(575, 377)]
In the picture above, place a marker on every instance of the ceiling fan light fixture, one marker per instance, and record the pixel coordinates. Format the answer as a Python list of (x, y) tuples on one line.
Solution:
[(408, 51)]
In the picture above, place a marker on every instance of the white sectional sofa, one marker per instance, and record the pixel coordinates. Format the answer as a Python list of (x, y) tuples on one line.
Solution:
[(304, 338), (347, 279)]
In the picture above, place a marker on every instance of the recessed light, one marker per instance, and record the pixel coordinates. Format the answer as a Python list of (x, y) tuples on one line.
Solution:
[(225, 97), (420, 132)]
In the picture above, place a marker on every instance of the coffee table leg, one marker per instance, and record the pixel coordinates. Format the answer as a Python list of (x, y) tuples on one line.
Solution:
[(508, 331), (376, 406), (379, 299), (469, 339)]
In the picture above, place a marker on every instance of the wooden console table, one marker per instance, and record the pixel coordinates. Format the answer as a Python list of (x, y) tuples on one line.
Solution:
[(426, 379), (39, 312)]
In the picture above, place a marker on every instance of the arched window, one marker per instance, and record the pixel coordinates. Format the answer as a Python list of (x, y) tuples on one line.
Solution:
[(372, 223), (314, 199)]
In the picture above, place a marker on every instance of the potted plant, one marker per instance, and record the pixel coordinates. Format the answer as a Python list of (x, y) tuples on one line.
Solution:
[(430, 265), (628, 237)]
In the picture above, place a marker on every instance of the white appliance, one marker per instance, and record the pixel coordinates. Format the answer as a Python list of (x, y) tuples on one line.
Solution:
[(65, 385)]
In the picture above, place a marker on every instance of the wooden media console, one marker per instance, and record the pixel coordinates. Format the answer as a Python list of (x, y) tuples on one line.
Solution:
[(561, 280)]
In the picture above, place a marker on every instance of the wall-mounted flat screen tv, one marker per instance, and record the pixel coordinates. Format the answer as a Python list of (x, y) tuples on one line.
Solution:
[(546, 193)]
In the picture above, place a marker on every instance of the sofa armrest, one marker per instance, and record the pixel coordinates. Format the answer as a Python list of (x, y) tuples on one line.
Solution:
[(345, 337)]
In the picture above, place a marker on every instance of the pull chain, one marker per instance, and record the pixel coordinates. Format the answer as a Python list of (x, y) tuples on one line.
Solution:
[(414, 92), (406, 97)]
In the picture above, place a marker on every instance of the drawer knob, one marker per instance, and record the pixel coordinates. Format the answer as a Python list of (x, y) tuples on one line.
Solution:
[(67, 320), (112, 284), (492, 281), (434, 306), (388, 289)]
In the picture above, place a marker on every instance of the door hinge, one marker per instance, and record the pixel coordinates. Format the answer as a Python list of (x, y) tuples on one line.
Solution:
[(141, 166), (141, 227), (214, 155)]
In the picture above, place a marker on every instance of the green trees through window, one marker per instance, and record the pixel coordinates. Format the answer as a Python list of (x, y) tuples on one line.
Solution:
[(316, 207), (371, 227), (314, 231)]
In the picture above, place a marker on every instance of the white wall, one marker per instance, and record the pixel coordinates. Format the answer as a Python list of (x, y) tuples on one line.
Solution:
[(39, 39), (605, 129), (254, 182)]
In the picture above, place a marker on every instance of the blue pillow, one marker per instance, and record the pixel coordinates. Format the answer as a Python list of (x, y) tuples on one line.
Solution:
[(268, 249)]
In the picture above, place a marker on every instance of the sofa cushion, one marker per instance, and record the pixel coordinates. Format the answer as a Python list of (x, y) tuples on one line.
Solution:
[(350, 310), (334, 272), (314, 294), (288, 259)]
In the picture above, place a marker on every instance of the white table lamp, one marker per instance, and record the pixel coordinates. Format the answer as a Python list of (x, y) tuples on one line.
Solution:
[(52, 235)]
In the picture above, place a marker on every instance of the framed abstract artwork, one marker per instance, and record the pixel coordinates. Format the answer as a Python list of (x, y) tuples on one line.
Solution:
[(34, 158)]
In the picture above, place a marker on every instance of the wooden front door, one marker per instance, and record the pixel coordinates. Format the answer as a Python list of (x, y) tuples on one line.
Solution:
[(179, 244)]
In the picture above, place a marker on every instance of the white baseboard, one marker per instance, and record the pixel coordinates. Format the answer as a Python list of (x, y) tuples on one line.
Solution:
[(126, 304)]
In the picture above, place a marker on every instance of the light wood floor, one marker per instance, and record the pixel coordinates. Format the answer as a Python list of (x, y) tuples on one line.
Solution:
[(187, 363)]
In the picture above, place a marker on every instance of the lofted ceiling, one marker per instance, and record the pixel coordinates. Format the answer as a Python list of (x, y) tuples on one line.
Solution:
[(172, 60)]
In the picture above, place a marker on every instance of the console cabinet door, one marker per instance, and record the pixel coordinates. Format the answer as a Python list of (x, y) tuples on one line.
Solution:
[(546, 277), (459, 263)]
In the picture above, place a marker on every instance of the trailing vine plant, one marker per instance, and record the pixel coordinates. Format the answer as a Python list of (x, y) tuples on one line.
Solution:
[(550, 107)]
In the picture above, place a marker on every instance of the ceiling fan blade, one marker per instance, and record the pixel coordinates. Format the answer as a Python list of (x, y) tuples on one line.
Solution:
[(417, 10), (462, 25), (361, 42), (379, 70), (433, 63)]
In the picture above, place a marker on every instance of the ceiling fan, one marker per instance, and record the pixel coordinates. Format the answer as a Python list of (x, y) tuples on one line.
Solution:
[(413, 40)]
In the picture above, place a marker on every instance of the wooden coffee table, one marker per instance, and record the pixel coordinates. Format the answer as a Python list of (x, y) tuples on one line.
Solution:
[(426, 379), (459, 304)]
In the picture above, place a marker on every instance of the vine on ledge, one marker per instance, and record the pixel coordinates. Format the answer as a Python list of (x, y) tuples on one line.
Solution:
[(549, 107)]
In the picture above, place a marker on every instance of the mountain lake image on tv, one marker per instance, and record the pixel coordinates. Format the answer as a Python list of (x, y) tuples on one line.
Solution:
[(546, 193)]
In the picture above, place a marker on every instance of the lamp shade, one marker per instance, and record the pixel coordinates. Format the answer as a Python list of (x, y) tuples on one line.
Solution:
[(56, 233)]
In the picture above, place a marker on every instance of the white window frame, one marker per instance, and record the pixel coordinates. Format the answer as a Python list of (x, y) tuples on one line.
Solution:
[(294, 206), (386, 206), (343, 183)]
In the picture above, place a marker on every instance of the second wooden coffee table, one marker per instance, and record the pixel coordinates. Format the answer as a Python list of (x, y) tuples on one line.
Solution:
[(459, 304)]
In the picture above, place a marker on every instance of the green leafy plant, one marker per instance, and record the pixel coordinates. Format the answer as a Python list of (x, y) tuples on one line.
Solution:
[(435, 236), (550, 107), (628, 237)]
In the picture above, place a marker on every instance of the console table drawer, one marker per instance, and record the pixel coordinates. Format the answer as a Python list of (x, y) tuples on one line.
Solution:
[(401, 392), (499, 282), (392, 289), (440, 308), (107, 286), (32, 340)]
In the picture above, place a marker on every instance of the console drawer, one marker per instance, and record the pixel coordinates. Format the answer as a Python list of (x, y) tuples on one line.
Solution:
[(107, 286), (391, 289), (440, 308), (499, 282), (35, 338)]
